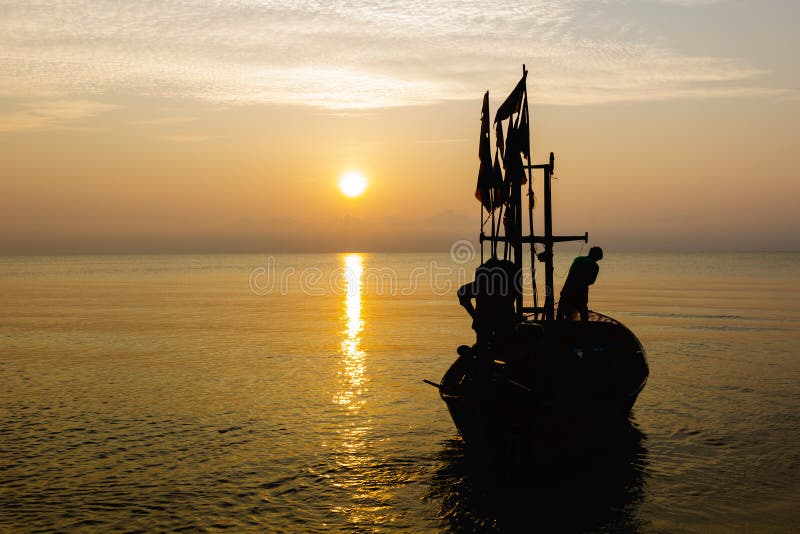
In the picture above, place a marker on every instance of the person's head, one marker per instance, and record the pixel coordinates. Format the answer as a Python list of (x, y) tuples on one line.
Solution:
[(596, 253), (491, 262)]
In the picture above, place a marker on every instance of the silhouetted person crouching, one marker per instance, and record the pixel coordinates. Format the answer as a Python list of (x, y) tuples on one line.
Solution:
[(575, 293), (493, 315)]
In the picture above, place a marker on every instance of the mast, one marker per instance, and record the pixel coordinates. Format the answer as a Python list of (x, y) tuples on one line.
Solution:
[(549, 299), (516, 198)]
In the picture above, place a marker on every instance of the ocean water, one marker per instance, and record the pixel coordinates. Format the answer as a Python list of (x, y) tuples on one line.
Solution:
[(284, 393)]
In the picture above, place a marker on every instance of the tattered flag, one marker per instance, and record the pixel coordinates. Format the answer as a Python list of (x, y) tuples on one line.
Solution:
[(500, 192), (485, 173), (499, 141), (515, 171), (513, 102), (524, 132)]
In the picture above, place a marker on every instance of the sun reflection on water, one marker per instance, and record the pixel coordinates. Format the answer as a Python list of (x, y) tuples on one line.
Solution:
[(353, 356), (360, 476)]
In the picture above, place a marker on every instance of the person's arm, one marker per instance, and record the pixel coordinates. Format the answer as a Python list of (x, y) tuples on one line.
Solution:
[(465, 296), (592, 275)]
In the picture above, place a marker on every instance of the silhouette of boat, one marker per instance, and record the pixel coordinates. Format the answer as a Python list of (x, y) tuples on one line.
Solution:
[(553, 382)]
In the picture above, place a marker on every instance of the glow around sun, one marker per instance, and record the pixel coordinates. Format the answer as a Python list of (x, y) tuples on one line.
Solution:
[(352, 184)]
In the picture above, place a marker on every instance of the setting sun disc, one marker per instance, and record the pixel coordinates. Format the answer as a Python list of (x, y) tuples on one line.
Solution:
[(352, 184)]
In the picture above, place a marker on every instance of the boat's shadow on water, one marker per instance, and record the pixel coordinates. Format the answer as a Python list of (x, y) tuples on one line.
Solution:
[(599, 489)]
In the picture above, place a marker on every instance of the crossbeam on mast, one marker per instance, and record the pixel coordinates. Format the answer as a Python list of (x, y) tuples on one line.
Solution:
[(535, 238)]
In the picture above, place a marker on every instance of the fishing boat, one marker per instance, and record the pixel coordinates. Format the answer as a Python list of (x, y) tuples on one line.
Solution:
[(554, 381)]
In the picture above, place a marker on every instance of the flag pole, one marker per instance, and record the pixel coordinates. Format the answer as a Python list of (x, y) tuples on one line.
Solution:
[(493, 244), (530, 197), (482, 223)]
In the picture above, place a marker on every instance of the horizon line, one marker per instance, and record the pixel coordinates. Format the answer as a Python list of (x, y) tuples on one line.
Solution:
[(372, 251)]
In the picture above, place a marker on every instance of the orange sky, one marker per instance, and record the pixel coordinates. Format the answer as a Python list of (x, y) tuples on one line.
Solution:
[(664, 138)]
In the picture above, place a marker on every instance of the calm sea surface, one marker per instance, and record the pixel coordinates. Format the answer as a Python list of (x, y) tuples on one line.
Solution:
[(285, 393)]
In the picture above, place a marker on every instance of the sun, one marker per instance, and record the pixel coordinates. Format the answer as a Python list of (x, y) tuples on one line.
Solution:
[(352, 184)]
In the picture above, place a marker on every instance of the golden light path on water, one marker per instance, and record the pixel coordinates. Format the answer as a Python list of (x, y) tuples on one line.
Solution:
[(353, 356), (368, 497)]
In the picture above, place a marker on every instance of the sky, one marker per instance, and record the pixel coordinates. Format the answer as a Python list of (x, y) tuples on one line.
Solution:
[(224, 126)]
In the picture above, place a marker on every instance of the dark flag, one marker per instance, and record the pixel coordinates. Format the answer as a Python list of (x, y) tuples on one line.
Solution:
[(498, 135), (524, 132), (515, 171), (500, 192), (485, 173), (513, 102)]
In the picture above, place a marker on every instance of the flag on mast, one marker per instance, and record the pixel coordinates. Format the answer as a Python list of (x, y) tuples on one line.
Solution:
[(500, 192), (483, 191), (513, 103), (524, 131), (518, 135), (515, 171), (498, 135)]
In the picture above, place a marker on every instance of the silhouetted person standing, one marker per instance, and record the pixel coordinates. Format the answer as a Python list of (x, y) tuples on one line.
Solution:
[(493, 315), (575, 293)]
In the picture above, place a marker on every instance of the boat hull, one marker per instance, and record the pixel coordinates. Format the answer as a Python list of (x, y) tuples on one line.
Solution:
[(554, 384)]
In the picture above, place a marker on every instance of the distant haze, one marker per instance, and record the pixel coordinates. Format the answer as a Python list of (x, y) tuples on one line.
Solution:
[(186, 127)]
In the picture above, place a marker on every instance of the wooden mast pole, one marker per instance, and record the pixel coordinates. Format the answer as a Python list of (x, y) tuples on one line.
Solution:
[(516, 201), (530, 196), (549, 303)]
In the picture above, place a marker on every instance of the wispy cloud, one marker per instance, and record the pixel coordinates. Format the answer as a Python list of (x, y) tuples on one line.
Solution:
[(688, 3), (51, 115), (187, 138), (171, 119), (342, 55), (443, 141)]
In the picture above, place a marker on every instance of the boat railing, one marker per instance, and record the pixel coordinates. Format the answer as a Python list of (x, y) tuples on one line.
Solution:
[(598, 317)]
